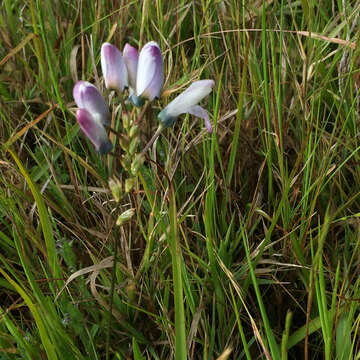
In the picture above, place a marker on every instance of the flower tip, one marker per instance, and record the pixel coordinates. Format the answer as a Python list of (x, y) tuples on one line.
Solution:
[(151, 44), (208, 127), (130, 50), (212, 84), (205, 84), (105, 45), (79, 87)]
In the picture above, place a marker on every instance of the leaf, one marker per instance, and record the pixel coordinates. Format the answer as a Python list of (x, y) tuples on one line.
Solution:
[(343, 338), (136, 350)]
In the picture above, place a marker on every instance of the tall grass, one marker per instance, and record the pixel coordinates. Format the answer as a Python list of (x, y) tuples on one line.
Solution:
[(245, 243)]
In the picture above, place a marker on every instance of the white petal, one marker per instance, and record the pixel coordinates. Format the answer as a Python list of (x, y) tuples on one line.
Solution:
[(190, 97), (150, 73), (146, 69)]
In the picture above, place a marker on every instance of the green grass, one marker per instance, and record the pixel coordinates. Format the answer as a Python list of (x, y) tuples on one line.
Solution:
[(244, 243)]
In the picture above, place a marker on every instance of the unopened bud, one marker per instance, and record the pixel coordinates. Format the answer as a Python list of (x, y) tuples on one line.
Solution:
[(133, 131), (125, 162), (116, 189), (133, 145), (138, 161), (130, 289), (126, 121), (125, 217), (124, 142), (129, 184)]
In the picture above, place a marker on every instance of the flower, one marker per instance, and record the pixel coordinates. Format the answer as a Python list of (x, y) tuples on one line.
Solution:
[(150, 74), (88, 97), (131, 57), (113, 68), (92, 115), (94, 130), (187, 102)]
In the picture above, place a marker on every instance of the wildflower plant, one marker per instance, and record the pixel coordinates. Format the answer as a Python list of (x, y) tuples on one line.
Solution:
[(141, 75)]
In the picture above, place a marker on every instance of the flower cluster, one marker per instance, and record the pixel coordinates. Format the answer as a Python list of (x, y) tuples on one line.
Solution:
[(143, 75)]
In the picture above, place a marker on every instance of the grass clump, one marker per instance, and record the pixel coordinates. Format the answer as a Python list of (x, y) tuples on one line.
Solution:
[(253, 231)]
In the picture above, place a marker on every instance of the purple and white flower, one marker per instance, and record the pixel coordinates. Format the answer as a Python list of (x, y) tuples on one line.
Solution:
[(92, 115), (150, 74), (113, 68), (186, 103)]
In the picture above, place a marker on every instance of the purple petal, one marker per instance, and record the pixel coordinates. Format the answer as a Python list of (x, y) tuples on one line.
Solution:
[(150, 74), (94, 130), (88, 97), (113, 68), (131, 58), (200, 112)]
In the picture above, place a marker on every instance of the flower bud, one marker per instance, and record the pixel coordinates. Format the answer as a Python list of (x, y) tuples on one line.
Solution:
[(116, 189), (133, 146), (131, 290), (113, 68), (129, 184), (124, 142), (126, 121), (137, 162), (125, 217), (134, 130), (125, 162), (150, 74)]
